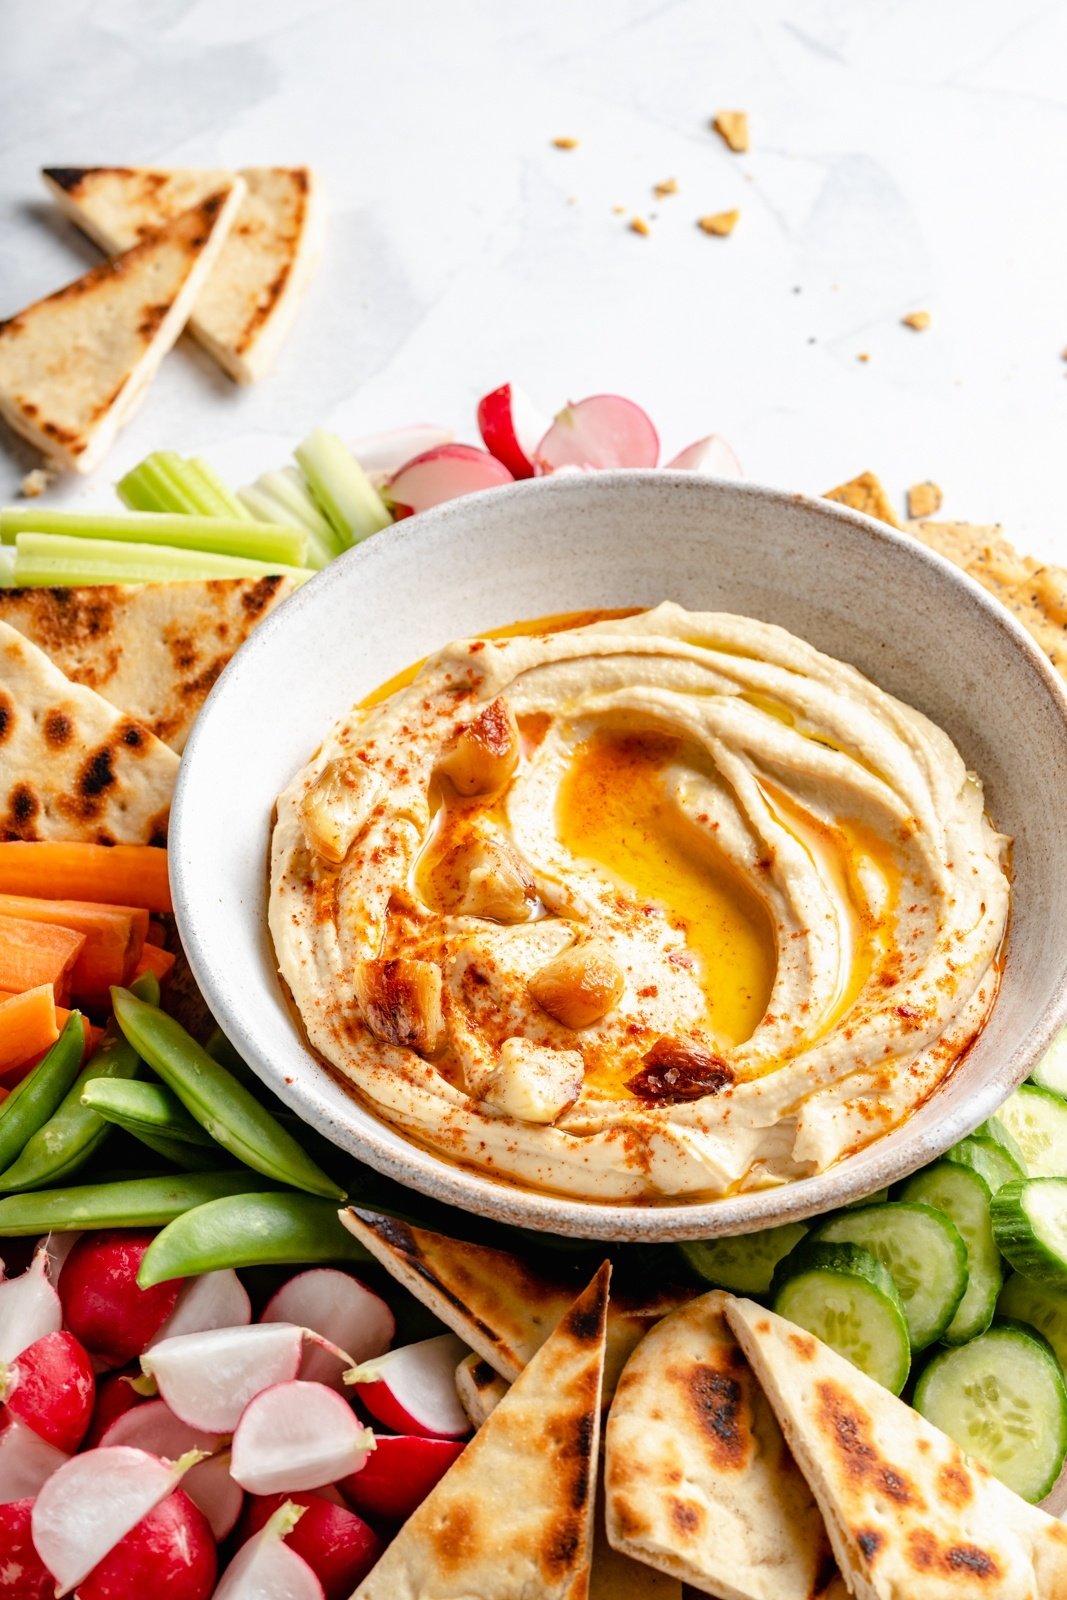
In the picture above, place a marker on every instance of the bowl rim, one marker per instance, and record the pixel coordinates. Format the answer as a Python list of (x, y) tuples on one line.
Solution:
[(421, 1169)]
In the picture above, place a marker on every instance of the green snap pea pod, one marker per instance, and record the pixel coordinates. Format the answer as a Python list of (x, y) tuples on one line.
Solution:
[(71, 1136), (130, 1203), (228, 1111), (28, 1107), (249, 1230), (143, 1106)]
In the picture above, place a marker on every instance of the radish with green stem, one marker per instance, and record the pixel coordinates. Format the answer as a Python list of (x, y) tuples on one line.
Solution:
[(50, 1387), (337, 1545), (268, 1568), (297, 1436), (102, 1303), (604, 431), (341, 1310), (399, 1474), (413, 1389), (208, 1379), (170, 1554), (443, 474), (155, 1428)]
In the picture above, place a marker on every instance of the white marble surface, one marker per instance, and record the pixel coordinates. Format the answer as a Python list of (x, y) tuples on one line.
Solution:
[(905, 155)]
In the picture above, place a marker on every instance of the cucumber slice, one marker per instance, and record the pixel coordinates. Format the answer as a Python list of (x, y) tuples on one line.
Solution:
[(745, 1263), (1051, 1071), (964, 1197), (994, 1129), (844, 1295), (990, 1159), (924, 1253), (1037, 1121), (1041, 1307), (1002, 1398), (1030, 1227)]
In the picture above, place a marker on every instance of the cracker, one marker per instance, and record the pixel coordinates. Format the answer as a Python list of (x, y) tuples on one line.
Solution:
[(867, 494)]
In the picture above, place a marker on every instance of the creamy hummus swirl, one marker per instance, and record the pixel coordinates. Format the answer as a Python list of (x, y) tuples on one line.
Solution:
[(788, 873)]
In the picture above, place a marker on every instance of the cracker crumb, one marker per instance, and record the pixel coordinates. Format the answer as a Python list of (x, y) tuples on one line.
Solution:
[(37, 481), (865, 493), (917, 320), (639, 225), (864, 355), (924, 500), (720, 223), (618, 211), (668, 186), (732, 128), (565, 142)]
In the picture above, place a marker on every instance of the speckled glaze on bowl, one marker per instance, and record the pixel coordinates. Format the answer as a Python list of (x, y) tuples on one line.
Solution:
[(853, 587)]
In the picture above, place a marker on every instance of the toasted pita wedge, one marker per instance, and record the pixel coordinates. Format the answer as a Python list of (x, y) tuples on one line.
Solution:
[(243, 312), (697, 1478), (71, 766), (73, 366), (153, 649), (616, 1577), (908, 1514), (494, 1301), (514, 1517), (866, 493), (480, 1389)]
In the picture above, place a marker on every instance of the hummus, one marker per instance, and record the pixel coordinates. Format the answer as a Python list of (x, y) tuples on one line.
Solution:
[(669, 905)]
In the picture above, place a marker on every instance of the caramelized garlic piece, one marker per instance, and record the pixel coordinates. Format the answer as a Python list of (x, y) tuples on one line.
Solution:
[(580, 985), (484, 876), (485, 753), (400, 1002), (337, 807), (533, 1082)]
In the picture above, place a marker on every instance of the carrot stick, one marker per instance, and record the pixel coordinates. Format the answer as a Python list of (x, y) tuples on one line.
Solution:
[(93, 1039), (32, 953), (28, 1025), (153, 959), (118, 874), (114, 939)]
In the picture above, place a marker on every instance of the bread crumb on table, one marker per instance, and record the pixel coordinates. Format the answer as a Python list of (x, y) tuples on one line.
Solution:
[(37, 481), (924, 499), (917, 320), (639, 225), (732, 128), (668, 186), (719, 223), (864, 355), (565, 142)]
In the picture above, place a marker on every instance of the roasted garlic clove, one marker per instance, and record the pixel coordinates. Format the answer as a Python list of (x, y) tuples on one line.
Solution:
[(483, 876), (533, 1082), (401, 1002), (337, 807), (580, 985), (485, 752)]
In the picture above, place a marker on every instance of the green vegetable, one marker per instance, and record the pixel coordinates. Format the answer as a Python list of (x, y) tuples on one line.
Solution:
[(1051, 1071), (964, 1197), (283, 497), (744, 1263), (222, 1105), (991, 1159), (73, 1133), (923, 1252), (1030, 1227), (223, 536), (1037, 1120), (51, 559), (155, 1116), (352, 504), (29, 1106), (1040, 1305), (250, 1230), (164, 482), (844, 1295), (129, 1203)]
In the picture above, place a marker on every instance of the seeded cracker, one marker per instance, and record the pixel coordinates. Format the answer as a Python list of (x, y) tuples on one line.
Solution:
[(865, 493), (732, 128), (924, 500)]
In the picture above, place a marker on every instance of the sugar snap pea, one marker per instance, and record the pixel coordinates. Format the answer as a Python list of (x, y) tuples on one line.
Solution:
[(145, 1109), (228, 1111), (74, 1132), (129, 1203), (29, 1106), (249, 1230)]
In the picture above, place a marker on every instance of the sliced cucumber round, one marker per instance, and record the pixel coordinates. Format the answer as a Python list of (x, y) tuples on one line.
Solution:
[(1051, 1071), (991, 1159), (924, 1253), (1037, 1121), (846, 1297), (963, 1196), (1030, 1227), (744, 1263), (1002, 1398), (1041, 1307)]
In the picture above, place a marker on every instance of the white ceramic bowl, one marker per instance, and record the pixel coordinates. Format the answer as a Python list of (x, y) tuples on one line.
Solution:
[(850, 585)]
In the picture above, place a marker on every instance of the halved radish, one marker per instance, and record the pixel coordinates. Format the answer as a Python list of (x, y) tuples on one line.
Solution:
[(511, 427), (443, 474), (50, 1387), (26, 1461), (208, 1378), (381, 454), (118, 1393), (712, 456), (213, 1300), (155, 1428), (57, 1247), (297, 1436), (603, 431), (399, 1474), (169, 1555), (338, 1307), (23, 1575), (29, 1308), (102, 1304), (337, 1545), (413, 1389), (92, 1502), (267, 1568)]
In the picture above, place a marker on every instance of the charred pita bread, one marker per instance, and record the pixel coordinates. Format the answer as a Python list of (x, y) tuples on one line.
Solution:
[(513, 1518), (907, 1513), (74, 365), (71, 766), (154, 649), (480, 1389), (244, 310), (697, 1477), (617, 1577)]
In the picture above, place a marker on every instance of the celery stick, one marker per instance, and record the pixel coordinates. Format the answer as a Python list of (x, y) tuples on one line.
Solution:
[(43, 558), (154, 486), (351, 503), (223, 536), (279, 497), (7, 566), (225, 502)]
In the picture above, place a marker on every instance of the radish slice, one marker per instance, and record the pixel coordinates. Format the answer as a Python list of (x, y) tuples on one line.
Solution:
[(29, 1308), (443, 474), (603, 431), (208, 1378), (214, 1300), (337, 1545), (297, 1436), (399, 1474), (57, 1246), (266, 1568), (382, 454), (120, 1392), (155, 1428), (339, 1308), (92, 1502), (169, 1553), (26, 1462), (23, 1575), (711, 456), (413, 1389), (511, 427), (50, 1387)]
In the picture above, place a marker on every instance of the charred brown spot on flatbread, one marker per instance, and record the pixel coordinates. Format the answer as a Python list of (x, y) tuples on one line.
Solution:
[(151, 318), (259, 596), (57, 728), (804, 1345), (457, 1538), (23, 809), (717, 1402), (157, 828), (954, 1484), (849, 1432), (870, 1541), (183, 652), (927, 1554), (685, 1516), (7, 716)]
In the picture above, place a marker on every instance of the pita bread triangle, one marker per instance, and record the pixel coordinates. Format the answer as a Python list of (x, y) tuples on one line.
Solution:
[(513, 1518), (244, 310), (907, 1512), (74, 365)]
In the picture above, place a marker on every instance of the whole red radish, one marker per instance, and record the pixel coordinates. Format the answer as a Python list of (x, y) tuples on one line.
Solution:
[(50, 1386), (169, 1555), (399, 1474), (102, 1305), (337, 1545), (115, 1395), (23, 1575)]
